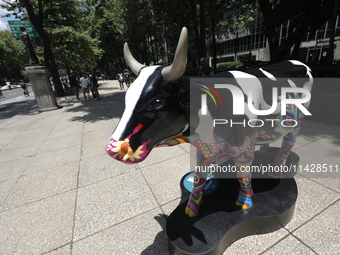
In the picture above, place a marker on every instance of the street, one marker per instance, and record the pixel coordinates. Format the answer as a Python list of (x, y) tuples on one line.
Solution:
[(14, 102)]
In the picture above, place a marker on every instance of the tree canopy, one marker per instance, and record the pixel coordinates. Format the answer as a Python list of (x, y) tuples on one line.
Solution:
[(88, 35)]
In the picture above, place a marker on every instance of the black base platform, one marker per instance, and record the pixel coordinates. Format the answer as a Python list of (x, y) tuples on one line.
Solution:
[(221, 222)]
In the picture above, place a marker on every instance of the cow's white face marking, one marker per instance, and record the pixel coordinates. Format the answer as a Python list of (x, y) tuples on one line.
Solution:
[(131, 99)]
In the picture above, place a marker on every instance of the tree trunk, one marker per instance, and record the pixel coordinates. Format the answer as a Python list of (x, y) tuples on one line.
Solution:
[(296, 49), (50, 62), (213, 32), (196, 29), (202, 30), (330, 53), (270, 30)]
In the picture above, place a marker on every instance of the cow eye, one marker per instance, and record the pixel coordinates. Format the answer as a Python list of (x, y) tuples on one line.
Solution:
[(155, 103)]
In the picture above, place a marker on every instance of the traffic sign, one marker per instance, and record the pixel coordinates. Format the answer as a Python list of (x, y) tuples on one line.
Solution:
[(33, 34), (16, 28), (16, 35), (19, 22)]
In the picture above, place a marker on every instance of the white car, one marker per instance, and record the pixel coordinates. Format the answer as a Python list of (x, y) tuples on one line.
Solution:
[(7, 86)]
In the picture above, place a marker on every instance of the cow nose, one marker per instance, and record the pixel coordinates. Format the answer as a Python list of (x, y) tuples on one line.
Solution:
[(123, 152)]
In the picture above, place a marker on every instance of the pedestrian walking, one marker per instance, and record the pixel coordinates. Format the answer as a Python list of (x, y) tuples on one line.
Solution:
[(120, 79), (24, 87), (127, 78), (85, 83), (74, 82), (94, 86)]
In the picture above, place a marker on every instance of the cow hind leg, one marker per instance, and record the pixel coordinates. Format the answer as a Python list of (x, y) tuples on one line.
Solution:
[(264, 149), (288, 142), (193, 207)]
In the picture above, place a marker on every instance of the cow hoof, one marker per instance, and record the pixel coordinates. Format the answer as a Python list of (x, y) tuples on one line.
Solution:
[(189, 212), (244, 200), (243, 205)]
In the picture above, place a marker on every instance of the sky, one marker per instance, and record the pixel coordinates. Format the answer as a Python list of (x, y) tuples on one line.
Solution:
[(4, 21)]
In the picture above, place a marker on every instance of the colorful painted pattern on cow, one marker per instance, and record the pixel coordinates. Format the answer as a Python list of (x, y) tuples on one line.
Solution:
[(217, 152), (122, 151), (173, 140), (195, 198)]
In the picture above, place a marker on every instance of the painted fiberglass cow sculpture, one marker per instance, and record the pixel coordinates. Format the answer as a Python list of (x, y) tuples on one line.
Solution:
[(157, 110)]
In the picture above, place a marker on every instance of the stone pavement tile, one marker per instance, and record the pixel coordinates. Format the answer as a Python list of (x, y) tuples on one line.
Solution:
[(185, 146), (38, 227), (28, 137), (112, 201), (289, 246), (164, 177), (60, 143), (46, 120), (99, 125), (255, 244), (169, 207), (19, 122), (311, 132), (66, 129), (12, 152), (43, 184), (13, 169), (99, 137), (327, 144), (161, 154), (5, 188), (100, 168), (65, 250), (10, 172), (115, 108), (140, 235), (94, 144), (322, 233), (331, 183), (312, 199), (317, 163), (311, 128), (52, 159), (7, 136)]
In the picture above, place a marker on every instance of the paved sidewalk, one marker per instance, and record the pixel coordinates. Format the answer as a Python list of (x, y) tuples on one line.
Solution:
[(61, 194)]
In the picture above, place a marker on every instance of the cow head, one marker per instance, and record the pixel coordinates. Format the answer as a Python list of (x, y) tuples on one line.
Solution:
[(153, 110)]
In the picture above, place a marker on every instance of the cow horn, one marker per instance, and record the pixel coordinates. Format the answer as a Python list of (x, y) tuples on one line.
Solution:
[(131, 61), (177, 68)]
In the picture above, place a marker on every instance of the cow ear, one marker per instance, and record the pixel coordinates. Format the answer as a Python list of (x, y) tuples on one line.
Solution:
[(177, 68)]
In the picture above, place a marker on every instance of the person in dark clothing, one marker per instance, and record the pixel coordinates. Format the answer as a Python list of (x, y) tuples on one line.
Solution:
[(75, 84)]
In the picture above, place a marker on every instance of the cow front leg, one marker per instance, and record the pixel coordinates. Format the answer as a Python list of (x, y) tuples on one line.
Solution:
[(246, 191), (193, 207), (243, 161)]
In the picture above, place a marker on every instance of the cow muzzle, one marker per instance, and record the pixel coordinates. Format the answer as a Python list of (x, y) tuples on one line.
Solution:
[(122, 151)]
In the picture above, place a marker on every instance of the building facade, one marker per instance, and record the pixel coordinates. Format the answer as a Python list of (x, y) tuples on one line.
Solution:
[(252, 44)]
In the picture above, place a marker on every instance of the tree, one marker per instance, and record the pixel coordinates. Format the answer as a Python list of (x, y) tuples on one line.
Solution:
[(36, 16), (53, 19), (302, 16), (335, 12), (66, 41), (12, 56)]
